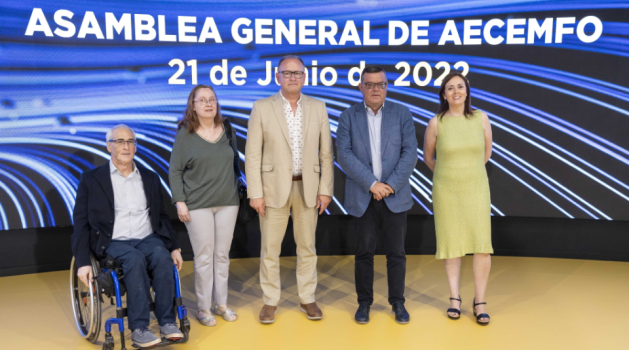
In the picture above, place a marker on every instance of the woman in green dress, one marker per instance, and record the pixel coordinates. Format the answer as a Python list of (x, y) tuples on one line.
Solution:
[(461, 137)]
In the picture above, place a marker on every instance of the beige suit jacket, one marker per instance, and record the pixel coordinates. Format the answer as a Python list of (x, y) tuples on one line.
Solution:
[(268, 156)]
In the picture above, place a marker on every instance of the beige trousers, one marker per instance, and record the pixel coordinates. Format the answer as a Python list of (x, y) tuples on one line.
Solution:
[(211, 231), (273, 226)]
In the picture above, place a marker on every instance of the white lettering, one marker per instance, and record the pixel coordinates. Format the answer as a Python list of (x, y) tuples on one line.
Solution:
[(219, 69), (512, 31), (261, 31), (210, 31), (281, 30), (546, 30), (161, 26), (487, 31), (393, 26), (90, 26), (327, 34), (598, 29), (468, 32), (248, 33), (60, 19), (184, 29), (124, 24), (38, 23), (416, 33), (450, 34), (366, 38), (144, 27), (560, 30), (304, 32), (238, 74), (350, 33)]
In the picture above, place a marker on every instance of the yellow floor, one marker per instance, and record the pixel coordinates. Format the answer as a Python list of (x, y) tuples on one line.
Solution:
[(534, 304)]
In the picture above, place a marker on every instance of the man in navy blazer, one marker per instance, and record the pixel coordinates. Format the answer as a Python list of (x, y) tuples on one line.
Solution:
[(119, 212), (377, 149)]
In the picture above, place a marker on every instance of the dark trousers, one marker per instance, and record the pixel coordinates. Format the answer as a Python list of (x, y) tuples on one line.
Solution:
[(393, 226), (142, 261)]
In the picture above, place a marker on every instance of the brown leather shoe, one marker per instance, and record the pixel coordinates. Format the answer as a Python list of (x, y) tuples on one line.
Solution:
[(311, 310), (267, 314)]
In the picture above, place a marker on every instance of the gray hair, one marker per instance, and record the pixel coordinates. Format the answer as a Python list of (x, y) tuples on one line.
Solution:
[(293, 57), (119, 126)]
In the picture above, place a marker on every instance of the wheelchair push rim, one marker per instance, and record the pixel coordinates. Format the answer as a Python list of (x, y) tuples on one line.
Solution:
[(86, 305)]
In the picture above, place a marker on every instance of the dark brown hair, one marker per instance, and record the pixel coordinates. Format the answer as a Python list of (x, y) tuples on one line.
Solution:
[(190, 119), (372, 69), (443, 104)]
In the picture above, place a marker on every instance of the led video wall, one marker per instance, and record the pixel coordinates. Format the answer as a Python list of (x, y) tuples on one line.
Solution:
[(551, 75)]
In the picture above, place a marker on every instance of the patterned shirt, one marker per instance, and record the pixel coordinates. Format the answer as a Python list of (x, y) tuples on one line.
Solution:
[(296, 132), (131, 208)]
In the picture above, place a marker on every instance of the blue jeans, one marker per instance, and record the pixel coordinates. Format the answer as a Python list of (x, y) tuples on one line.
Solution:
[(143, 261)]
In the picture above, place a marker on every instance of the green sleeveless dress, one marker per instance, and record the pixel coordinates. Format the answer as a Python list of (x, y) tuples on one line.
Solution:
[(461, 189)]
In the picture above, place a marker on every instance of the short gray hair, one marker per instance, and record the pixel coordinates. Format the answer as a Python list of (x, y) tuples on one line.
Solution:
[(119, 126), (291, 57)]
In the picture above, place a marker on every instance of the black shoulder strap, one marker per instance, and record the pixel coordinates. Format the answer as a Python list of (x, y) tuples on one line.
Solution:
[(228, 131)]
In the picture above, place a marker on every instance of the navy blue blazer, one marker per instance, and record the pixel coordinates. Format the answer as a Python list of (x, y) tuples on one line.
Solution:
[(398, 151), (94, 213)]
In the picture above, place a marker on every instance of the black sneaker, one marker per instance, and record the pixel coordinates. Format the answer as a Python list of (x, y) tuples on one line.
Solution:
[(362, 315), (401, 315)]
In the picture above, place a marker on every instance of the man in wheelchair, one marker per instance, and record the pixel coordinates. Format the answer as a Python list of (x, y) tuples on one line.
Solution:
[(119, 213)]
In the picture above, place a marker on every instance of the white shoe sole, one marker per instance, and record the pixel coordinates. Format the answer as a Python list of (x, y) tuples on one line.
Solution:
[(149, 344), (310, 317), (172, 336)]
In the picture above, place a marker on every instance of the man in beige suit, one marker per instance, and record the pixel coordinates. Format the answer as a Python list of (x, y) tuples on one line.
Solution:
[(289, 167)]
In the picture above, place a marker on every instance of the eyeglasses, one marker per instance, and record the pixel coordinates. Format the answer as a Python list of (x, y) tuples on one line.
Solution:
[(206, 102), (287, 74), (371, 86), (121, 142)]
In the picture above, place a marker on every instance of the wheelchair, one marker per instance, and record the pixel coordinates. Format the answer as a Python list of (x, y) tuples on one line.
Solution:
[(87, 301)]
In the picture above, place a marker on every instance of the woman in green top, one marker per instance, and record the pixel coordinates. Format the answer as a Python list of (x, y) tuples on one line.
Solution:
[(204, 188), (462, 138)]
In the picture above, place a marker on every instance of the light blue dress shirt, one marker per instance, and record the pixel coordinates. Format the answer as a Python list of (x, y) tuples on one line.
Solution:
[(132, 219), (375, 136)]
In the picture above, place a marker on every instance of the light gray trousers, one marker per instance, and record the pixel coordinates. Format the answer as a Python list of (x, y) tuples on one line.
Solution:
[(211, 231)]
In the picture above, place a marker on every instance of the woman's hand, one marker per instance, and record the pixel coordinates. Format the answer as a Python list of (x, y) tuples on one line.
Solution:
[(430, 143), (182, 212)]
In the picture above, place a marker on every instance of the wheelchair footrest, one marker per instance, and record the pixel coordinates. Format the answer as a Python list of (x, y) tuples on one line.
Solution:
[(165, 342)]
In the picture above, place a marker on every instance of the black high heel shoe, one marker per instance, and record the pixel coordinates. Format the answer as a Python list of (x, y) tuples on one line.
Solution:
[(456, 311), (479, 316)]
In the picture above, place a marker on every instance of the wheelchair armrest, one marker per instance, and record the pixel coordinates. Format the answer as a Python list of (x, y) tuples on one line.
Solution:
[(110, 263)]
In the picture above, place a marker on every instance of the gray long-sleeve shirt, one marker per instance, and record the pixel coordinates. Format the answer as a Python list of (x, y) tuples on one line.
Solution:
[(201, 173)]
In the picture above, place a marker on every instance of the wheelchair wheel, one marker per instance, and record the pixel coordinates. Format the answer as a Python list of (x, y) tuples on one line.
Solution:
[(86, 305)]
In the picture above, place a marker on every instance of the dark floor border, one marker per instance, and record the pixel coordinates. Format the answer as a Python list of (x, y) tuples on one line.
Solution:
[(42, 250)]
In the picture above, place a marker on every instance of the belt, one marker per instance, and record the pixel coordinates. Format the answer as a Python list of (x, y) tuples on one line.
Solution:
[(297, 177)]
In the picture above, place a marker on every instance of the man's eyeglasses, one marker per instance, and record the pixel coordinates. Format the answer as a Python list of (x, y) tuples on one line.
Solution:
[(287, 74), (372, 86), (206, 102), (121, 142)]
